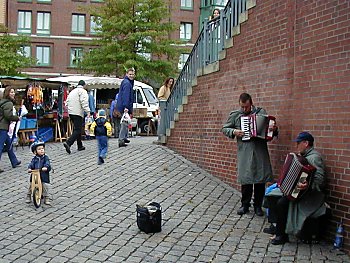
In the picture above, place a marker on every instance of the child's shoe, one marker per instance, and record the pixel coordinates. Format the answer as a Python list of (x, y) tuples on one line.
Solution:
[(47, 201), (28, 199)]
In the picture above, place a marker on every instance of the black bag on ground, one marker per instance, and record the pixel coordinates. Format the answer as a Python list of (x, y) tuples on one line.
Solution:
[(149, 217)]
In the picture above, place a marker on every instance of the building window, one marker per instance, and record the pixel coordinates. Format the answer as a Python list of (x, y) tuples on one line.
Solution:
[(220, 2), (94, 24), (26, 51), (182, 60), (187, 4), (76, 55), (24, 22), (43, 1), (78, 24), (43, 55), (43, 23), (186, 31)]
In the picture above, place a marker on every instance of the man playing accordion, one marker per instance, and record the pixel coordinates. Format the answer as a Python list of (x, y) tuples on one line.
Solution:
[(253, 159), (291, 215)]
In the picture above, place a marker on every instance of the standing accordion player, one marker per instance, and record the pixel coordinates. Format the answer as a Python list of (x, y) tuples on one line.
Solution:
[(257, 125), (296, 169)]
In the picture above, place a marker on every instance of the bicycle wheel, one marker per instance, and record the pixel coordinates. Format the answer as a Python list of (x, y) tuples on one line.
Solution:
[(36, 197)]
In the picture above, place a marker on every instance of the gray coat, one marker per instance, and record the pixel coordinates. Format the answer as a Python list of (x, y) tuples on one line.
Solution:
[(253, 159), (312, 203)]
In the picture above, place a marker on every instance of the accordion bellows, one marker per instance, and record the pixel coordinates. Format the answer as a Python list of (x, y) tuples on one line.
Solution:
[(295, 169), (257, 125)]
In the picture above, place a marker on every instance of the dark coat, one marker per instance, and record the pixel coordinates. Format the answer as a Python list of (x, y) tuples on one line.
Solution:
[(126, 95), (6, 114), (39, 162), (253, 159)]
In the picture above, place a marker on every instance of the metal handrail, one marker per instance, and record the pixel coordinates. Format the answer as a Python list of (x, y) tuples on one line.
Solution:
[(210, 42)]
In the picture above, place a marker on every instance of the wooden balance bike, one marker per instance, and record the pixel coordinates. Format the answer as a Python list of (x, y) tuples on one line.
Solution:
[(37, 188)]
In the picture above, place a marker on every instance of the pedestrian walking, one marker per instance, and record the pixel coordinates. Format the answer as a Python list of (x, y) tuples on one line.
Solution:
[(102, 129), (77, 102), (6, 116)]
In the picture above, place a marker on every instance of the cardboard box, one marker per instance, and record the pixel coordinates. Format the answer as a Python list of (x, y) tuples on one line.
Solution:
[(139, 112)]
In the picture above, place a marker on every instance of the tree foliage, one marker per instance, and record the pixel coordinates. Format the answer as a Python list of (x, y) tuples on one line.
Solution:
[(133, 33), (12, 56)]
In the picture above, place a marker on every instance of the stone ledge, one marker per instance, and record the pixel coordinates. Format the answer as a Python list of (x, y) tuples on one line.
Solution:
[(210, 68)]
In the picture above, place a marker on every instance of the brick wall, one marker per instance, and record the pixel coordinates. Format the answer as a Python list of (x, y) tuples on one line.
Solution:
[(293, 58)]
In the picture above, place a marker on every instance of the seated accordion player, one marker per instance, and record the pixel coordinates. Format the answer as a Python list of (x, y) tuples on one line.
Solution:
[(257, 125), (296, 169)]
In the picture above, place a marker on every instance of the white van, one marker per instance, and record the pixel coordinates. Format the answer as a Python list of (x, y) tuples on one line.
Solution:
[(144, 97)]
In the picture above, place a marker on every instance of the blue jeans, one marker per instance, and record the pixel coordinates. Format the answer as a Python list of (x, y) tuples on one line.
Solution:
[(102, 144), (5, 143)]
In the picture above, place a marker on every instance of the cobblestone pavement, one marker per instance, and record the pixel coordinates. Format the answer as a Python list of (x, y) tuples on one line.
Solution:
[(93, 218)]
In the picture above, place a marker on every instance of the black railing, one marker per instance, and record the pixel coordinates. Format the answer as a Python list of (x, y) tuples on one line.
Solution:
[(210, 42)]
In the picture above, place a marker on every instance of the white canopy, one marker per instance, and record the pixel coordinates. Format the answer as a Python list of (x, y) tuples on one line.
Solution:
[(91, 82), (97, 82)]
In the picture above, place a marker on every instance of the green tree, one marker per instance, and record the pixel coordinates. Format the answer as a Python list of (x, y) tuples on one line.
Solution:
[(133, 33), (12, 55)]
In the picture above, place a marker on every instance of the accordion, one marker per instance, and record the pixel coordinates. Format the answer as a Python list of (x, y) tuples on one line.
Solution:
[(296, 169), (257, 125)]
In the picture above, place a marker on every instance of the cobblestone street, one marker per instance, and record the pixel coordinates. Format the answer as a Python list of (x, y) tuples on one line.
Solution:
[(93, 212)]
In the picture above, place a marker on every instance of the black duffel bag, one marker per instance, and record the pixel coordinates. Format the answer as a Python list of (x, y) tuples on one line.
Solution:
[(149, 217)]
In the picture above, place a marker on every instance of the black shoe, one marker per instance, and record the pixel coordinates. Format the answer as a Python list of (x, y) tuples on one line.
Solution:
[(1, 170), (280, 240), (242, 210), (82, 148), (100, 161), (258, 211), (67, 147), (122, 144), (270, 230), (17, 164), (126, 140)]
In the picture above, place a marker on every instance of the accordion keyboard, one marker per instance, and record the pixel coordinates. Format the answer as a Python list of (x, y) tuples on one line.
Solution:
[(245, 127)]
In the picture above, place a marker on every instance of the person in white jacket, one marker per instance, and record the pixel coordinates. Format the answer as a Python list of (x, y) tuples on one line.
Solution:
[(77, 103)]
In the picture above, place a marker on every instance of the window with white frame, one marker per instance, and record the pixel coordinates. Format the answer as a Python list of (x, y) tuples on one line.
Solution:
[(43, 23), (76, 55), (43, 55), (25, 51), (24, 23), (187, 4), (78, 24), (44, 1), (182, 60), (94, 24), (220, 2), (186, 31)]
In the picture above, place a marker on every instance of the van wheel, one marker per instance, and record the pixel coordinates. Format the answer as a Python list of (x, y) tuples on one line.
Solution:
[(144, 127)]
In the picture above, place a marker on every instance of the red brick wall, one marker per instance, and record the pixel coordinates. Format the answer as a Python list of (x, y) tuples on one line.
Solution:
[(293, 58)]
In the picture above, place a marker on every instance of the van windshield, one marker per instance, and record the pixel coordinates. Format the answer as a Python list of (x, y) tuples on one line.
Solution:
[(150, 96)]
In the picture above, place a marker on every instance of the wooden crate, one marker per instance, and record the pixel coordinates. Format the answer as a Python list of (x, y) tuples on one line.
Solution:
[(140, 112)]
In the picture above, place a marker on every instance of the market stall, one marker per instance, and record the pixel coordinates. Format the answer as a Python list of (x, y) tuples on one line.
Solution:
[(44, 101), (104, 90)]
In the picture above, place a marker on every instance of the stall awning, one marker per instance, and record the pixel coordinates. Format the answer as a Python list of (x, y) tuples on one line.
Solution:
[(21, 82), (91, 82), (97, 82)]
